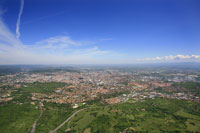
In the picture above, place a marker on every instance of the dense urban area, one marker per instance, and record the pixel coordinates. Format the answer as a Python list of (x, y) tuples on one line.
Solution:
[(99, 99)]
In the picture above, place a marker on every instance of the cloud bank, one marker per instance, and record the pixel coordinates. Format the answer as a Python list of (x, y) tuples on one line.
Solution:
[(175, 58)]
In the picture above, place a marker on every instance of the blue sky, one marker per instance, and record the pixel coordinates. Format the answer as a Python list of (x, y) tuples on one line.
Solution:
[(99, 31)]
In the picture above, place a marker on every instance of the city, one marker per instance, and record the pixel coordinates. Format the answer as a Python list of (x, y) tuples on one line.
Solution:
[(99, 66), (77, 87)]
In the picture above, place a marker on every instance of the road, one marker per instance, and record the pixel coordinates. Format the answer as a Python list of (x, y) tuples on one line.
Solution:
[(35, 122), (127, 97), (54, 131)]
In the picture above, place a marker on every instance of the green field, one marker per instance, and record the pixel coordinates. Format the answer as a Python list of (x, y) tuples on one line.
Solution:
[(151, 115), (15, 118), (53, 115)]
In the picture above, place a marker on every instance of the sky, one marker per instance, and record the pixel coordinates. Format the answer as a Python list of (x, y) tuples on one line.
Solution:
[(99, 31)]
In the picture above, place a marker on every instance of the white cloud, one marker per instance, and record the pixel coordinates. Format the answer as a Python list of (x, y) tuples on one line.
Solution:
[(53, 50), (19, 19), (91, 51), (64, 50), (57, 42), (176, 58)]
